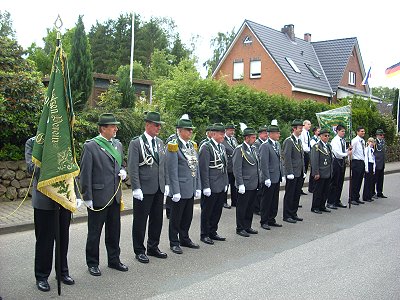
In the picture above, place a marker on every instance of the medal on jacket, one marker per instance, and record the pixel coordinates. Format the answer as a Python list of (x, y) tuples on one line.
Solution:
[(190, 155)]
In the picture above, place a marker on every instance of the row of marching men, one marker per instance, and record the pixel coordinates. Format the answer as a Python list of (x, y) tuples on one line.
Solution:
[(181, 171)]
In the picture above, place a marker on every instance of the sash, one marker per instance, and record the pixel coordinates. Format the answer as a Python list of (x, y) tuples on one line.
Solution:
[(109, 148)]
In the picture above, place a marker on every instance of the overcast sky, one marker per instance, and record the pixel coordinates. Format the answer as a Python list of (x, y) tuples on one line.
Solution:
[(374, 25)]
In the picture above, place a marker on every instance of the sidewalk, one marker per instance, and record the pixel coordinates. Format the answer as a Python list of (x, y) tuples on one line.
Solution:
[(22, 219)]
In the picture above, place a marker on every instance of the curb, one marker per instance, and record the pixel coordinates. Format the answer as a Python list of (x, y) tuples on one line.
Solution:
[(81, 219)]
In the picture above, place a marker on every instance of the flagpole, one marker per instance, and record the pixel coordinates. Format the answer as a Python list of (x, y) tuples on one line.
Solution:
[(350, 157), (132, 47), (398, 111)]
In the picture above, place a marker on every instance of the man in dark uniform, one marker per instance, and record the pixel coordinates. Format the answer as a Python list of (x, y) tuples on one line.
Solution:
[(321, 166), (380, 156), (44, 219), (100, 177), (262, 138), (230, 143), (246, 168), (184, 178), (146, 166), (295, 172), (271, 172), (214, 183)]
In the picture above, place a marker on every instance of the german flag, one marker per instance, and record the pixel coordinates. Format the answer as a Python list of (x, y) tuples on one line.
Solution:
[(393, 70)]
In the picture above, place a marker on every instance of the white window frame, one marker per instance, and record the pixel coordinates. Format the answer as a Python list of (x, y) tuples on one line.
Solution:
[(352, 78), (293, 65), (255, 69), (238, 70)]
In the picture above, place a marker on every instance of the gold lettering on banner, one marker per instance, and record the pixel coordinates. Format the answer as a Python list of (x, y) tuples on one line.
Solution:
[(56, 118)]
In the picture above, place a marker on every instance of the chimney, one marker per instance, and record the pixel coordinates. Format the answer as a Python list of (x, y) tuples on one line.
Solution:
[(289, 30), (307, 37)]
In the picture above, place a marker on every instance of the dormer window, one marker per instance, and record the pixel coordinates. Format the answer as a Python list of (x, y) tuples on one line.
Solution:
[(314, 72), (293, 65)]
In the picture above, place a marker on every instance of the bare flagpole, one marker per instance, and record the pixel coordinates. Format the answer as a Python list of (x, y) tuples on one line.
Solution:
[(132, 47)]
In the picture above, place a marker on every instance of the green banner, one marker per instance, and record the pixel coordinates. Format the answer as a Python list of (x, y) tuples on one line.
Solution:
[(54, 150), (331, 118)]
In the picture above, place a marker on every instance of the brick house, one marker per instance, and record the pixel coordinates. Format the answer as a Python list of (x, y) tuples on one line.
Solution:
[(279, 63)]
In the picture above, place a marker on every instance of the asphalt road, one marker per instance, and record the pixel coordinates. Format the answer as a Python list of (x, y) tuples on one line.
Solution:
[(347, 254)]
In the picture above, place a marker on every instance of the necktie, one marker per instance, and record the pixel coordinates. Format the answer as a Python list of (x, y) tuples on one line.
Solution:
[(363, 146), (308, 139), (343, 146), (153, 143)]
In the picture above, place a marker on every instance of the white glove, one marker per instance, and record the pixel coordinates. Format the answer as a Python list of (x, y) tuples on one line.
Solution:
[(89, 203), (225, 189), (176, 197), (122, 174), (283, 179), (290, 176), (166, 190), (304, 175), (138, 194), (267, 182), (242, 189), (78, 202), (207, 192), (198, 194)]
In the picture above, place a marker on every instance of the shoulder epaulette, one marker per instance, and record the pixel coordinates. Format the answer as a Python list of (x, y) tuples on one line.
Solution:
[(173, 146), (195, 147)]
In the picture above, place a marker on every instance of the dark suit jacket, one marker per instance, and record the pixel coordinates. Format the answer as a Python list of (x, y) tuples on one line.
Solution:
[(148, 178), (99, 174), (380, 149), (293, 157), (246, 167), (270, 161), (321, 160), (229, 151)]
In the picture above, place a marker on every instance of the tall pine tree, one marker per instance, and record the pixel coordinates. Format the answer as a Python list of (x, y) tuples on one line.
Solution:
[(80, 66)]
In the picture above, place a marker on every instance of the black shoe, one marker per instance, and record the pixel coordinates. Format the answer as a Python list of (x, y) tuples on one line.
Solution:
[(302, 193), (66, 279), (157, 253), (316, 211), (265, 226), (290, 220), (142, 258), (382, 196), (297, 218), (95, 271), (217, 237), (207, 240), (360, 202), (331, 206), (368, 200), (354, 202), (325, 210), (118, 266), (190, 245), (176, 249), (43, 285), (226, 205), (340, 204), (275, 224), (251, 231), (242, 233)]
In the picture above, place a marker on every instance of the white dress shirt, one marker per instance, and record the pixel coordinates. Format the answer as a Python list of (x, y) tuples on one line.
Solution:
[(336, 144), (305, 140), (314, 140), (369, 158), (149, 140), (358, 145)]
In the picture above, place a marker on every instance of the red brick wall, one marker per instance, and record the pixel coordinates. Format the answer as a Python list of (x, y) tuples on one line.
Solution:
[(353, 65), (304, 96)]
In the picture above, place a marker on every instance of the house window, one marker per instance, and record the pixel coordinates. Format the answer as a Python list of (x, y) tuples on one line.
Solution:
[(314, 72), (238, 70), (255, 69), (352, 78), (293, 65)]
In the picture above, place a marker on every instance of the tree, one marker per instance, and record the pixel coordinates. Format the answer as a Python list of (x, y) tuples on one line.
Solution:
[(220, 44), (21, 95), (385, 93), (80, 66), (6, 26), (179, 51)]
